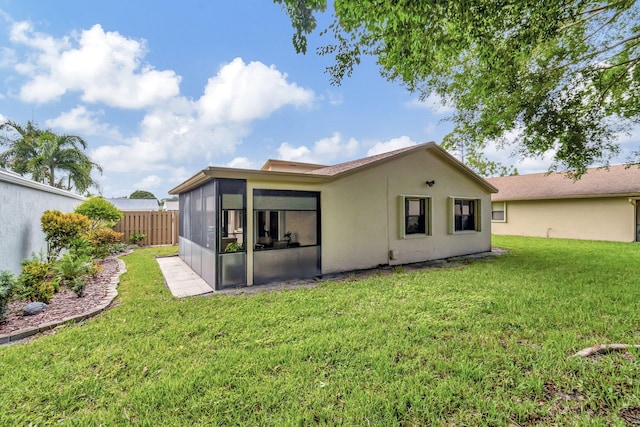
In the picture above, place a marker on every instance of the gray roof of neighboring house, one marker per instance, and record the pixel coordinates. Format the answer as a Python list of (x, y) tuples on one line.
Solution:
[(135, 204), (597, 182)]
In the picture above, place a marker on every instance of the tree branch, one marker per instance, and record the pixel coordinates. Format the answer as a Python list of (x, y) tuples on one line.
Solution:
[(602, 349)]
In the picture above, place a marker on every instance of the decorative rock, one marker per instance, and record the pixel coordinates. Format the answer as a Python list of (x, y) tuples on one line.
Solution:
[(33, 308)]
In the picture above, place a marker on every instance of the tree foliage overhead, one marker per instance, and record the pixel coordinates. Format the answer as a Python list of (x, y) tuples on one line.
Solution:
[(57, 160), (537, 75)]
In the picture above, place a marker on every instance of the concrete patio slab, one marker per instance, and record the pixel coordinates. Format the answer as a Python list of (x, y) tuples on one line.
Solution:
[(181, 280)]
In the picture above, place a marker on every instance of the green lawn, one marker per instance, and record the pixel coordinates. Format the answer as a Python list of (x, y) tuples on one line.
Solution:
[(485, 343)]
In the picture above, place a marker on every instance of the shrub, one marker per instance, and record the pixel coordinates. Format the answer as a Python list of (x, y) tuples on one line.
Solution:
[(81, 246), (32, 284), (69, 267), (77, 285), (61, 229), (116, 248), (101, 212), (136, 237), (101, 239), (7, 282)]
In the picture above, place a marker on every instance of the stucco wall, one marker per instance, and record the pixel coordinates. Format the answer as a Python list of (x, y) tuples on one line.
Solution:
[(589, 219), (22, 203), (361, 215)]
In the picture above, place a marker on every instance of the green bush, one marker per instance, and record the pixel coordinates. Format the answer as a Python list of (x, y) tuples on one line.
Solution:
[(116, 248), (61, 229), (136, 237), (102, 239), (77, 285), (7, 282), (81, 247), (101, 212), (33, 283), (70, 266)]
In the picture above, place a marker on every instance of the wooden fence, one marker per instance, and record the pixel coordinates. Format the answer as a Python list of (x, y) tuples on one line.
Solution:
[(161, 227)]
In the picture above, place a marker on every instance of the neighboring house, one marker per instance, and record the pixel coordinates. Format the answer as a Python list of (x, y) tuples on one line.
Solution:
[(171, 205), (602, 205), (299, 220), (22, 203), (126, 205)]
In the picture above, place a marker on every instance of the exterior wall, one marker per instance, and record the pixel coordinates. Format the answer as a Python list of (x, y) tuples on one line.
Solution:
[(22, 203), (361, 215), (590, 219)]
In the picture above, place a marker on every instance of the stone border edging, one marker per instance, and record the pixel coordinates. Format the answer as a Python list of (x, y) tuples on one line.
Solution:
[(111, 294)]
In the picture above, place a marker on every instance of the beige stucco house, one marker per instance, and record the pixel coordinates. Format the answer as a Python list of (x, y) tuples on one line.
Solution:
[(602, 205), (298, 220)]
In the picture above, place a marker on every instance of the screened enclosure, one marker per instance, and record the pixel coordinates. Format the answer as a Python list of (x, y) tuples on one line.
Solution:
[(286, 235), (212, 234)]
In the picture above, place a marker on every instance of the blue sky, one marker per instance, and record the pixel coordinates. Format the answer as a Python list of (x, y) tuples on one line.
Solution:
[(161, 90)]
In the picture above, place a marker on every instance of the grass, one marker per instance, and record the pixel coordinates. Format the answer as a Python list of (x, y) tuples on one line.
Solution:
[(485, 343)]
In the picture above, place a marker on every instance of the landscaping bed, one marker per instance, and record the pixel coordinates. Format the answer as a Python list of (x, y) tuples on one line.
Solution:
[(65, 304)]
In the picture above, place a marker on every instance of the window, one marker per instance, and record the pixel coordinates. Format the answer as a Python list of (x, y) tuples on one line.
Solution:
[(498, 212), (416, 216), (466, 214)]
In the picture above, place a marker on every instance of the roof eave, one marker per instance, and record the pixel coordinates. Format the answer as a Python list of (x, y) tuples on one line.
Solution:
[(253, 174), (496, 198)]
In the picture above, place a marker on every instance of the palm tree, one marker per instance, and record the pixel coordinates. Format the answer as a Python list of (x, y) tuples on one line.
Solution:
[(21, 147), (44, 155)]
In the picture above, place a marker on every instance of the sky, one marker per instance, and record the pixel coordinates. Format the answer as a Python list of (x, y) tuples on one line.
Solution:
[(160, 90)]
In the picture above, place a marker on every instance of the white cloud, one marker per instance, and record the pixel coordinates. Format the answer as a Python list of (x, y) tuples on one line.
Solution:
[(244, 92), (108, 70), (242, 163), (392, 144), (8, 57), (104, 67), (81, 120), (335, 98), (149, 182), (181, 129), (434, 103), (289, 152), (324, 151)]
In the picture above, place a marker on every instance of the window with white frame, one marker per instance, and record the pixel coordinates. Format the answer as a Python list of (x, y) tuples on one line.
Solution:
[(465, 214), (498, 212), (415, 212)]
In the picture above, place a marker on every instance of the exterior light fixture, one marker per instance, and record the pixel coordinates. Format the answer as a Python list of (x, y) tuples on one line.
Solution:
[(430, 183)]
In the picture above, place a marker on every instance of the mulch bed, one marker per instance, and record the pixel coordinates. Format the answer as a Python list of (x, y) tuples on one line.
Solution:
[(64, 303)]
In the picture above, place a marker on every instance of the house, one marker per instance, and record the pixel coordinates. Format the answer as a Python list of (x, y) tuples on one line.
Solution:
[(295, 220), (126, 205), (602, 205), (170, 205), (22, 203)]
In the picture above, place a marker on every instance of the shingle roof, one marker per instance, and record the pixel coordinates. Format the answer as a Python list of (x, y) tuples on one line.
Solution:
[(355, 164), (616, 181), (327, 173)]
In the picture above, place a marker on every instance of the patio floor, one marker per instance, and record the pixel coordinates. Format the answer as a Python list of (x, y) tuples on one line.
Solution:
[(181, 280)]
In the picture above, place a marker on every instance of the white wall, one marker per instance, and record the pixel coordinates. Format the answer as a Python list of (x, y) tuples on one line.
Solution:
[(22, 203)]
